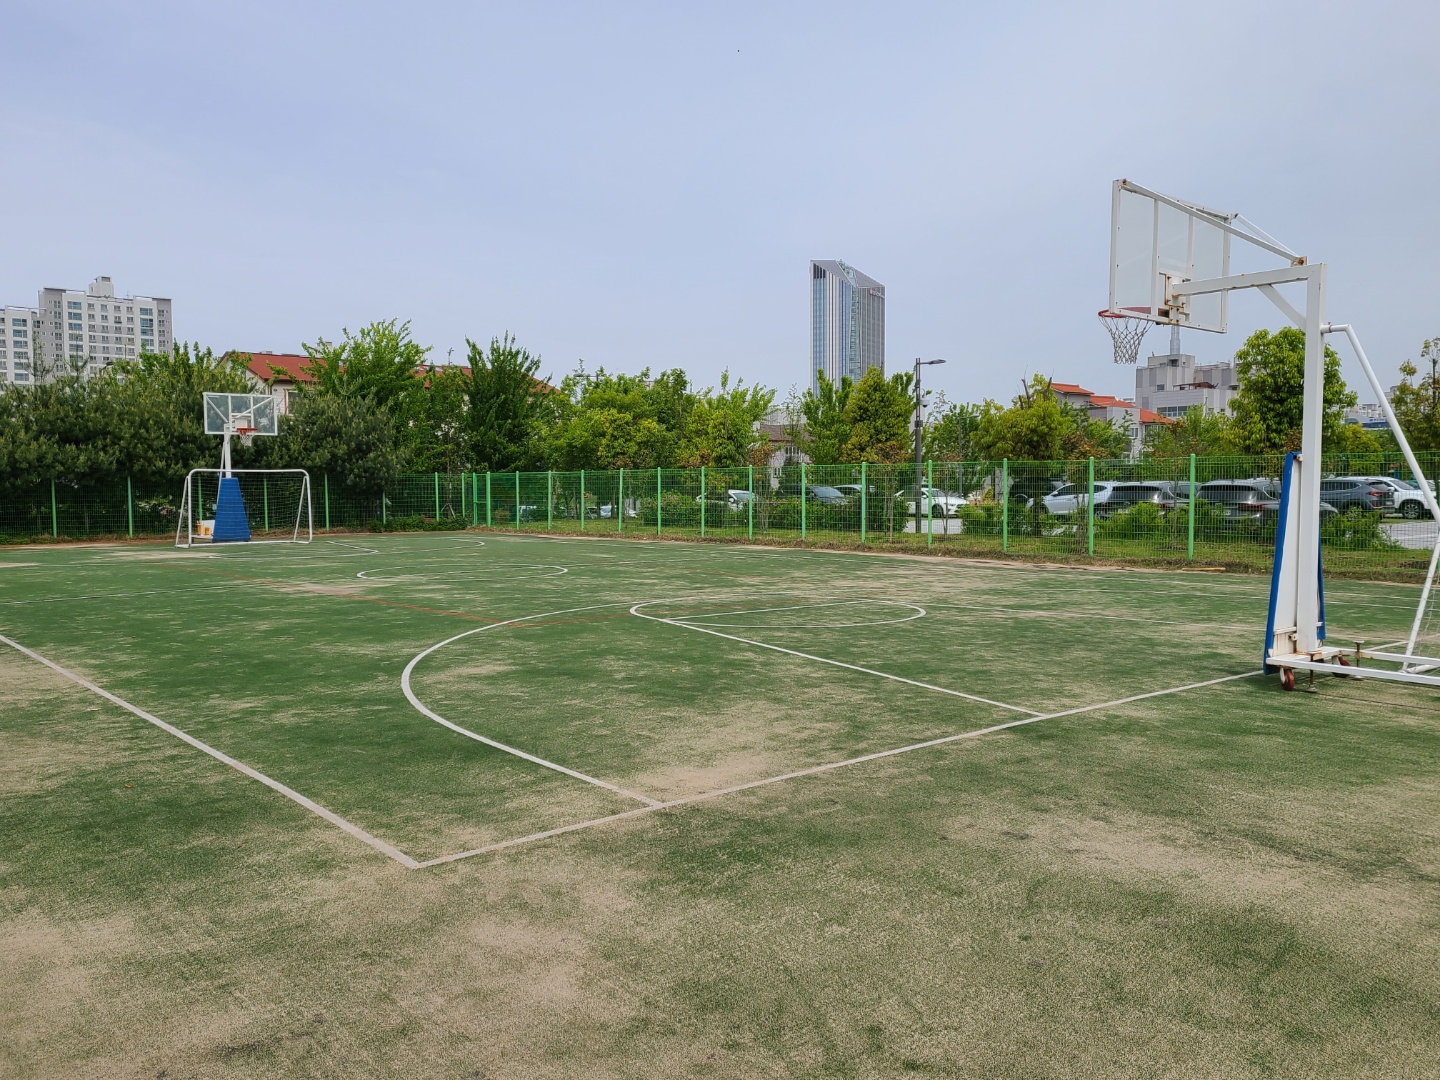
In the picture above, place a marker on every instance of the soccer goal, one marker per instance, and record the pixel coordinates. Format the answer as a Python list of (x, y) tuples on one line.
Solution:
[(259, 506)]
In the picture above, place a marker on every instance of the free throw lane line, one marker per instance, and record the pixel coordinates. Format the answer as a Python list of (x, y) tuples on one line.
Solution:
[(830, 767), (239, 766), (433, 715)]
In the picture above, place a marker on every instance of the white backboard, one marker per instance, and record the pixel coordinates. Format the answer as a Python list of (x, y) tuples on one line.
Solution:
[(1157, 241), (229, 412)]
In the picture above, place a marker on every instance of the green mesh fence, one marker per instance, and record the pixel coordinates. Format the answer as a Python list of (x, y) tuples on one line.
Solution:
[(1200, 511)]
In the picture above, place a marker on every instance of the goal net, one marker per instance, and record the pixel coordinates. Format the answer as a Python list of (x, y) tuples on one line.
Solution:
[(265, 506)]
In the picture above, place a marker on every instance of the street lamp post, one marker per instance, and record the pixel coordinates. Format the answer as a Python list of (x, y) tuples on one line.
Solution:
[(920, 435)]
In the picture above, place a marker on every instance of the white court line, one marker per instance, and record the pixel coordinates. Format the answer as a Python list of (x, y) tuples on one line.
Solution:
[(823, 660), (365, 574), (419, 705), (254, 774), (791, 607), (151, 592), (816, 769)]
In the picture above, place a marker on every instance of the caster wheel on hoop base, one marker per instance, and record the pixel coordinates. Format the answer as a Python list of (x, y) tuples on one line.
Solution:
[(1287, 678)]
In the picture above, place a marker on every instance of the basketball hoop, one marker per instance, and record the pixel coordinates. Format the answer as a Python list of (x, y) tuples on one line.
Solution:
[(1126, 332), (247, 435)]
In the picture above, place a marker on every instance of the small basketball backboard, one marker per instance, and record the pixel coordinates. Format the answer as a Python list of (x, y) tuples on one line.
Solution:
[(230, 413), (1156, 242)]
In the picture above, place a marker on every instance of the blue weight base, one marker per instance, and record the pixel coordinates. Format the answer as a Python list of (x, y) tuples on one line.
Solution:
[(231, 525)]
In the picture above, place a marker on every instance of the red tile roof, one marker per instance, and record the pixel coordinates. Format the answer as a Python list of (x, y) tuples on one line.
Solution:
[(262, 364), (1068, 388)]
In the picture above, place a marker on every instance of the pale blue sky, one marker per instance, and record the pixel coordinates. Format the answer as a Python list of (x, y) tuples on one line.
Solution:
[(644, 184)]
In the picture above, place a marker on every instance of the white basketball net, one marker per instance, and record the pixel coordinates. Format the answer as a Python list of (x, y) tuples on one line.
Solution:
[(1126, 333)]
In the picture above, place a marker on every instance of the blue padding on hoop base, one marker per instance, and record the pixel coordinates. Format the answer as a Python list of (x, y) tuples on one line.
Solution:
[(231, 525)]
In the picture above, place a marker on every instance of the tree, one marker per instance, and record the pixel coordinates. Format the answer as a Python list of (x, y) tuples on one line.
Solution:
[(1033, 428), (720, 425), (878, 413), (1417, 405), (818, 428), (1270, 404), (351, 438), (951, 433), (503, 401), (438, 437), (1200, 431), (380, 362), (631, 421)]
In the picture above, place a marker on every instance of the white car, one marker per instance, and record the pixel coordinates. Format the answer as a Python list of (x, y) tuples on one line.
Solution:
[(933, 501), (737, 499), (1409, 502), (1071, 497)]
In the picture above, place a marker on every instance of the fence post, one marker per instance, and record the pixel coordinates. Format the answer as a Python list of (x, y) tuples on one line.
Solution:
[(265, 497), (804, 491), (1005, 504), (864, 496), (1090, 512), (384, 507), (489, 518), (54, 513), (620, 502), (130, 507), (702, 502), (750, 503), (462, 493), (930, 503), (517, 499), (657, 501), (582, 500), (474, 498), (327, 502), (1190, 526), (437, 496)]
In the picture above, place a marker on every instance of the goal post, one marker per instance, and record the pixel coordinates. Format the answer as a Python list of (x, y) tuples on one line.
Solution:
[(258, 506)]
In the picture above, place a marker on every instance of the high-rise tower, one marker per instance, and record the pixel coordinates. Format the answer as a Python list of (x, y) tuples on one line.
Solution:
[(847, 322)]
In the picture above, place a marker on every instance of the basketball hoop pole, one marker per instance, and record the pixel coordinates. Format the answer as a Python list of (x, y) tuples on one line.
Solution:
[(225, 451)]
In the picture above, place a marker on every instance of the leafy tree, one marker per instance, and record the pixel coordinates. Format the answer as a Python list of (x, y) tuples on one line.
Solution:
[(951, 433), (437, 431), (818, 428), (504, 399), (351, 438), (1087, 437), (720, 425), (1200, 431), (1270, 404), (878, 414), (1417, 405), (380, 362), (606, 438), (1033, 428), (633, 421)]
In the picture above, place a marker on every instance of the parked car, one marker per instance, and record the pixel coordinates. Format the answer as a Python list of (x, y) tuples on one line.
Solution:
[(1069, 498), (736, 499), (1347, 492), (852, 491), (1252, 499), (1406, 497), (823, 494), (1122, 496), (933, 501)]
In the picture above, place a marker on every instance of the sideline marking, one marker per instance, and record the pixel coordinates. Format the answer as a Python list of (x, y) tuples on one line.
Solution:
[(420, 706), (254, 774), (919, 613), (815, 769), (823, 660)]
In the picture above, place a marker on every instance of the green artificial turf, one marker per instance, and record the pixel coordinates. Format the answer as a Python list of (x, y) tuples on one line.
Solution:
[(1222, 881)]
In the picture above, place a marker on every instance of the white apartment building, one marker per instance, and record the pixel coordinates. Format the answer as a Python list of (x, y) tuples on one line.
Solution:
[(96, 327), (17, 345)]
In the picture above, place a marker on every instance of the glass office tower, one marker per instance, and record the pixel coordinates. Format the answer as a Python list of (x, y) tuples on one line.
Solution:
[(847, 322)]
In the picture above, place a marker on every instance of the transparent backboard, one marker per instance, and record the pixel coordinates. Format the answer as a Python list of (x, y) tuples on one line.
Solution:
[(1156, 240), (229, 412)]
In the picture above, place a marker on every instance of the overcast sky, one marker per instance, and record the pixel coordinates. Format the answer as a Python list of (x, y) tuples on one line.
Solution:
[(644, 184)]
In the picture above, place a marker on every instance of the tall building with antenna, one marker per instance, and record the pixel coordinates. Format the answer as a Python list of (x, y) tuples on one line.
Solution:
[(847, 322)]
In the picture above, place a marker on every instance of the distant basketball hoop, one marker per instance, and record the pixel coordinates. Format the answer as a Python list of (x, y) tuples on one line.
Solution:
[(247, 435), (1126, 332)]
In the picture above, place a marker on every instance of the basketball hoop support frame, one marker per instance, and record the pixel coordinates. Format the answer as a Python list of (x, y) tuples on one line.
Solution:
[(1296, 589)]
